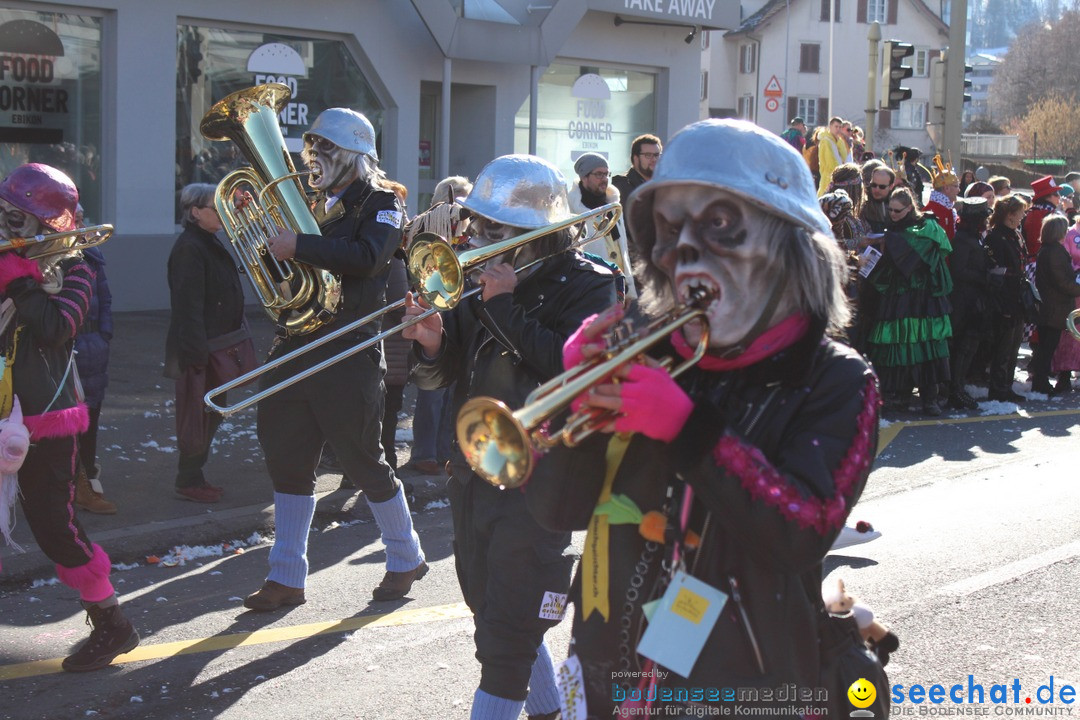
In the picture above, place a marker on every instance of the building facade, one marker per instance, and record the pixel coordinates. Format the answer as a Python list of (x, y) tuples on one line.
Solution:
[(788, 59), (113, 92)]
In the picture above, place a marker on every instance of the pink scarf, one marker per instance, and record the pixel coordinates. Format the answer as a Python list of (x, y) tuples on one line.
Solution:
[(784, 334)]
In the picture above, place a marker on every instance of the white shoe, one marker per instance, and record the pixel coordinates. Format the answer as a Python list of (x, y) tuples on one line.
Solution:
[(863, 532)]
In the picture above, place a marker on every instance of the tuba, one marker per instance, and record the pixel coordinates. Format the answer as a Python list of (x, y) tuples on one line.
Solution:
[(298, 297)]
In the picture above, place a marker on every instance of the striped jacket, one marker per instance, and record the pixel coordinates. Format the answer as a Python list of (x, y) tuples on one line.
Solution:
[(43, 334)]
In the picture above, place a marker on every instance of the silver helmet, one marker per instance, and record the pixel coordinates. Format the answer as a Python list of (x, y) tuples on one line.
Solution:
[(522, 191), (347, 129), (738, 157)]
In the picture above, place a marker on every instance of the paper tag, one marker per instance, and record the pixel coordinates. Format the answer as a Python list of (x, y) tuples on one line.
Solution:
[(389, 217), (682, 623), (553, 607), (571, 683)]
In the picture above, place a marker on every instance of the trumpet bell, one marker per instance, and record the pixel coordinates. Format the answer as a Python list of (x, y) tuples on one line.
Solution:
[(435, 271), (495, 443)]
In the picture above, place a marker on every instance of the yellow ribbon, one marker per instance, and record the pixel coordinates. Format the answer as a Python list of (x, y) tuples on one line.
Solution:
[(594, 578)]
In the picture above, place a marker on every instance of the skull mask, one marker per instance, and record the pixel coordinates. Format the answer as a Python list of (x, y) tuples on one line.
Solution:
[(14, 223), (711, 241), (331, 167)]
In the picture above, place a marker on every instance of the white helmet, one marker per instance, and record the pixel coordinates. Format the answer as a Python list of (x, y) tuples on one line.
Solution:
[(347, 129)]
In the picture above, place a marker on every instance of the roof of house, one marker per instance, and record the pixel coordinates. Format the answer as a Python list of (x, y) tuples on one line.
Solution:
[(776, 7)]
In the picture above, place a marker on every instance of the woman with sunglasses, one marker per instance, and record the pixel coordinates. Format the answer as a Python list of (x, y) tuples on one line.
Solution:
[(908, 342)]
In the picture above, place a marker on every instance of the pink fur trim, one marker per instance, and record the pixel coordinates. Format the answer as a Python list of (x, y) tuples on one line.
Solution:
[(14, 266), (91, 579), (759, 478), (58, 423)]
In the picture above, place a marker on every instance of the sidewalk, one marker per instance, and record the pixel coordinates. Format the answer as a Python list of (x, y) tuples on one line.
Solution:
[(137, 454)]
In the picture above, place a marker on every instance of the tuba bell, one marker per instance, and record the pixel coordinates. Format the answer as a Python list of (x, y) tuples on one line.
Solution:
[(298, 297)]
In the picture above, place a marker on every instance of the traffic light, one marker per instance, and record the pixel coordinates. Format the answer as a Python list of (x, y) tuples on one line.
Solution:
[(967, 82), (895, 72)]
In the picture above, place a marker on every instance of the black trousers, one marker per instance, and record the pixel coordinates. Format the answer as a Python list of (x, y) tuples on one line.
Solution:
[(88, 440), (1043, 355), (341, 405), (393, 400), (1005, 346), (47, 482), (514, 575)]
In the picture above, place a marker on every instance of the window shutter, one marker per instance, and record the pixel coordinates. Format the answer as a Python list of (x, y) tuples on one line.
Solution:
[(884, 119), (823, 111), (892, 10), (792, 108), (824, 10), (860, 14)]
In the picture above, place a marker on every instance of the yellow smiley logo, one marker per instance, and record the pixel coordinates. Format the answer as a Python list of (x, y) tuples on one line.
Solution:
[(862, 693)]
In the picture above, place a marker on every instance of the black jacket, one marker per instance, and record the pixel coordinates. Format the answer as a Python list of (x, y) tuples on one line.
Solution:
[(206, 295), (360, 233), (1006, 250), (777, 455), (1056, 281), (969, 265), (506, 347)]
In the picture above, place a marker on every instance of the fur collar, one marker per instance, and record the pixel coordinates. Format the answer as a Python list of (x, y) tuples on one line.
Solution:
[(574, 197)]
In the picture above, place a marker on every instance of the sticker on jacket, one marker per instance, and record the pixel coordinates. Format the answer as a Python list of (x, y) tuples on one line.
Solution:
[(553, 607), (390, 217)]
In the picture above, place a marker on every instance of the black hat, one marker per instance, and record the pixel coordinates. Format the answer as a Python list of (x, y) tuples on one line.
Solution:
[(973, 207)]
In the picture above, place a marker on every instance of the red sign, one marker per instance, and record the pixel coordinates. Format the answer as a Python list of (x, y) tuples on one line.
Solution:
[(772, 88)]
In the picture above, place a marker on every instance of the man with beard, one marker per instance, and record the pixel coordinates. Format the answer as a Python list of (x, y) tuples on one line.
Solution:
[(513, 573), (875, 210), (361, 219), (645, 152), (591, 191), (721, 491)]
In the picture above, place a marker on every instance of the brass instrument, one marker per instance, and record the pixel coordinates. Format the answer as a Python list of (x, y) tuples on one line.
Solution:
[(298, 297), (1070, 323), (61, 242), (502, 445), (438, 275)]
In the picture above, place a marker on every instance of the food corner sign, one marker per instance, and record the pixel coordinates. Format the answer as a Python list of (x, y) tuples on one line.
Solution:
[(708, 14), (34, 103), (280, 63)]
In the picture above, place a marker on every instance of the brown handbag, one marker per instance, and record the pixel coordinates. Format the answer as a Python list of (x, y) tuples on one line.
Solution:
[(231, 355)]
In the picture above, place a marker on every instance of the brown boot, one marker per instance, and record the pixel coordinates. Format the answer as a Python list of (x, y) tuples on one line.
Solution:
[(89, 497), (273, 595), (396, 585)]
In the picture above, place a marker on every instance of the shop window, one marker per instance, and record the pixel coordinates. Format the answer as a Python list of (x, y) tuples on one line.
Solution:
[(50, 97), (588, 109), (213, 62)]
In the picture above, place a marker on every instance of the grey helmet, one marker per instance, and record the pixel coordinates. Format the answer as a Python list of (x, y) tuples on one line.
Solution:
[(347, 129), (523, 191), (738, 157)]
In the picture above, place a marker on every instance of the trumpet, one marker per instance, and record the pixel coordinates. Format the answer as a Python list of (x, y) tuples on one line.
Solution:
[(502, 445), (438, 275), (1070, 323), (61, 242)]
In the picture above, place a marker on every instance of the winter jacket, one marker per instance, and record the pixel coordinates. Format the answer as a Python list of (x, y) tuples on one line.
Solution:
[(614, 248), (1056, 281), (1006, 250), (777, 454), (206, 296), (396, 348), (1032, 227), (95, 334), (969, 266), (43, 334), (506, 347)]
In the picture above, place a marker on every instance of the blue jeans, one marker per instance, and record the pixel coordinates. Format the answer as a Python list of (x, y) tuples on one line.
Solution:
[(433, 424)]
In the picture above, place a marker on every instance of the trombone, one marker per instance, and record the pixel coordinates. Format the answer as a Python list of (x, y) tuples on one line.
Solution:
[(502, 445), (63, 242), (438, 275), (1070, 323)]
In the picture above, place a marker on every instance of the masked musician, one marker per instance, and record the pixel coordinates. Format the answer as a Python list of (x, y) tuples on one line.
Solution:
[(51, 297), (504, 342), (361, 220), (722, 489)]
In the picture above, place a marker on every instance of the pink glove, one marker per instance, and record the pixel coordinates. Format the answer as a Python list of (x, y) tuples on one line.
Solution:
[(14, 266), (653, 404), (571, 349)]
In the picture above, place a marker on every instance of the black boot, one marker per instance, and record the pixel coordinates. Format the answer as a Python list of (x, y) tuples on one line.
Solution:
[(112, 635)]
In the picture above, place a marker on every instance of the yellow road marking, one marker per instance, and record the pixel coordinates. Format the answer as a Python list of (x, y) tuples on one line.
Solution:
[(887, 434), (217, 643)]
